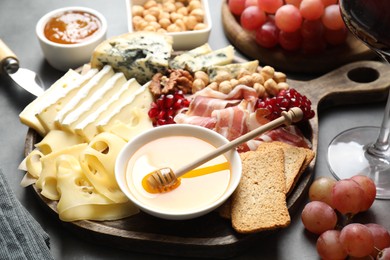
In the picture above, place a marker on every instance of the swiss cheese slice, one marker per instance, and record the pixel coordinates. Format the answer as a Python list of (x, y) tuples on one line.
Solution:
[(80, 200), (47, 181), (58, 99), (57, 140), (27, 116), (98, 164)]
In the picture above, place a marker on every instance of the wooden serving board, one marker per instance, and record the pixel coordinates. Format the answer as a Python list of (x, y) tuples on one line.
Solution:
[(210, 235), (296, 62)]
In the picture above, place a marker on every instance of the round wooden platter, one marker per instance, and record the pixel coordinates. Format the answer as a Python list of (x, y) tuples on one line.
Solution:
[(211, 235), (294, 62)]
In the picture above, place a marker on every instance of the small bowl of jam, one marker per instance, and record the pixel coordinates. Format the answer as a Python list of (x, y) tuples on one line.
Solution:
[(69, 35), (200, 191)]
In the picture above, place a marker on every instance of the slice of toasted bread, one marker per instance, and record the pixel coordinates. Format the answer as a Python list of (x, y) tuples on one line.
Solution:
[(296, 159), (259, 202)]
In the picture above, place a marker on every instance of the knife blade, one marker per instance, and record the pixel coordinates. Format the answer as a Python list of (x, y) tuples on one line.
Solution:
[(27, 79)]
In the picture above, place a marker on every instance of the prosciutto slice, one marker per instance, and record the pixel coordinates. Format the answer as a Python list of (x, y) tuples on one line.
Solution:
[(233, 115)]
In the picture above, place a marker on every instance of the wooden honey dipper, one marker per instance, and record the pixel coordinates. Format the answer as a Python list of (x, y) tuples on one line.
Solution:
[(164, 179)]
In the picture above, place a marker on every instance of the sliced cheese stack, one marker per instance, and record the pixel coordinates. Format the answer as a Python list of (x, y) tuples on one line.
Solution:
[(86, 105)]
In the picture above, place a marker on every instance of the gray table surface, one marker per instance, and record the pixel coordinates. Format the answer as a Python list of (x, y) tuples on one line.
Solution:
[(17, 29)]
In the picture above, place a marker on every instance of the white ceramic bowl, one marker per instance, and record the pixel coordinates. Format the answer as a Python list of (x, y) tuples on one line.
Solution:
[(202, 133), (67, 56), (181, 40)]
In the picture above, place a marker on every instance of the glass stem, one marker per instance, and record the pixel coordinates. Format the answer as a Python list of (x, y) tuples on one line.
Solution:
[(381, 146)]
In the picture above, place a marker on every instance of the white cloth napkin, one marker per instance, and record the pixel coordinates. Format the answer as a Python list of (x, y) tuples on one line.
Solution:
[(21, 236)]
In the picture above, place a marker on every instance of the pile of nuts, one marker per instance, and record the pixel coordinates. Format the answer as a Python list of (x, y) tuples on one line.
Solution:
[(266, 81), (168, 16)]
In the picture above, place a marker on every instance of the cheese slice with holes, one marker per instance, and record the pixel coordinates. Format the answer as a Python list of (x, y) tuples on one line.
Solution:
[(98, 164), (57, 140), (58, 99), (87, 128), (47, 181), (27, 116), (93, 102), (80, 200)]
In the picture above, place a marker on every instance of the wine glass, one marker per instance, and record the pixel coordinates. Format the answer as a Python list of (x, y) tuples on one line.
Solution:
[(365, 150)]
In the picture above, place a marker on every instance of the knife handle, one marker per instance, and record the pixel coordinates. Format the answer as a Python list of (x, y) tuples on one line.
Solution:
[(8, 60)]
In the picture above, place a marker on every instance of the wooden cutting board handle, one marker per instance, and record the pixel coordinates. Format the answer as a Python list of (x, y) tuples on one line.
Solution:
[(8, 60)]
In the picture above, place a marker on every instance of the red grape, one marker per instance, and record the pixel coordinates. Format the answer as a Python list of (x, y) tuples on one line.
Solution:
[(293, 2), (312, 29), (270, 6), (252, 18), (346, 196), (332, 17), (381, 237), (384, 254), (251, 3), (329, 246), (313, 45), (357, 240), (329, 2), (288, 18), (236, 6), (369, 189), (290, 41), (336, 37), (321, 190), (311, 9), (267, 35), (318, 217)]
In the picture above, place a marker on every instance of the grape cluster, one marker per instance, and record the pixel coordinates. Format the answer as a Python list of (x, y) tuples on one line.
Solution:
[(329, 214), (165, 107), (295, 25)]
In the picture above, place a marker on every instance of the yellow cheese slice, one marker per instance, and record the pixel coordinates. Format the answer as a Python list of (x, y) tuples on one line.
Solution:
[(58, 99), (87, 128), (140, 124), (57, 140), (47, 181), (98, 164), (27, 116), (79, 199), (141, 99), (89, 89), (91, 104), (33, 163)]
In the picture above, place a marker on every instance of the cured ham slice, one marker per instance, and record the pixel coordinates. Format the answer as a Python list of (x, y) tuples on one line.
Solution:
[(231, 122), (208, 122), (234, 114), (204, 106), (239, 92)]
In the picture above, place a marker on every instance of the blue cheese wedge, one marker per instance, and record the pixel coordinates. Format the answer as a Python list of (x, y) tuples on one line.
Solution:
[(232, 69), (218, 57), (137, 55), (179, 62)]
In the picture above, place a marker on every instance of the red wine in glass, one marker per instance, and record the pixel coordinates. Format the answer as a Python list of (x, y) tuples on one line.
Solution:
[(366, 150)]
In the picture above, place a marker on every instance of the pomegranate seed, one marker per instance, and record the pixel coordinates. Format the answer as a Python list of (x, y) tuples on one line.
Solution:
[(168, 101), (165, 108), (285, 100)]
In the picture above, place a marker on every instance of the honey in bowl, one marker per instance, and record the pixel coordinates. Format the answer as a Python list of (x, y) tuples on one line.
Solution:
[(71, 27), (195, 190)]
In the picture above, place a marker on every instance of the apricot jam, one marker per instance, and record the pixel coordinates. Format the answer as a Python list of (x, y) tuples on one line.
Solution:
[(71, 27)]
